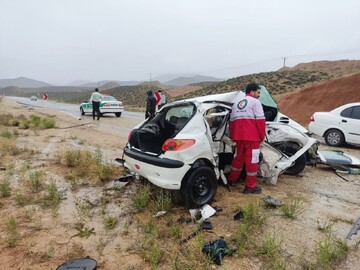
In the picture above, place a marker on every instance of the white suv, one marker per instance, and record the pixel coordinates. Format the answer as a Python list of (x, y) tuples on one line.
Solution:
[(185, 146)]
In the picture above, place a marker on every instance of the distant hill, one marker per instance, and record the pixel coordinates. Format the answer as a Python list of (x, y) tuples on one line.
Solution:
[(182, 81), (101, 83), (22, 82), (77, 83), (286, 79), (168, 77), (325, 96), (333, 68)]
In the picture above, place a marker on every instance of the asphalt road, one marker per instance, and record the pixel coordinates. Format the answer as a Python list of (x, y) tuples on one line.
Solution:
[(71, 109)]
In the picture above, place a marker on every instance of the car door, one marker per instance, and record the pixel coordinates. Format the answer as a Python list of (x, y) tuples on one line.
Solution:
[(351, 123)]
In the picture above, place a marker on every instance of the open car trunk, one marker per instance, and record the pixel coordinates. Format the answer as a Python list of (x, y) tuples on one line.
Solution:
[(150, 136)]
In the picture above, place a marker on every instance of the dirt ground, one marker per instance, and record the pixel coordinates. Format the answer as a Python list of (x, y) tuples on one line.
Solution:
[(46, 239)]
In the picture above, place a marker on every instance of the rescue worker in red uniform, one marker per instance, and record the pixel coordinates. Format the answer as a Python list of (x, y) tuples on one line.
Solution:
[(247, 129)]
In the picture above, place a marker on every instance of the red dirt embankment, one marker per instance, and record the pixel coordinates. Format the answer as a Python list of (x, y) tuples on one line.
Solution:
[(300, 105)]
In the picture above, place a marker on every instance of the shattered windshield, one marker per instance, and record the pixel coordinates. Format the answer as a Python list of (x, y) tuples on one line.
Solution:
[(266, 98)]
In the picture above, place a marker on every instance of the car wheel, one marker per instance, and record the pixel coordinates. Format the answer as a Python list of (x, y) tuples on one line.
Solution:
[(290, 149), (82, 111), (118, 114), (200, 187), (334, 137)]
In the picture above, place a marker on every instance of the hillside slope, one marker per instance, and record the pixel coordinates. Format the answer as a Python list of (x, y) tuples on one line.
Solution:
[(300, 105)]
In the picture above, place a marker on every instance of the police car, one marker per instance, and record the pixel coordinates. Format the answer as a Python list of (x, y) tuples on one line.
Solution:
[(109, 104)]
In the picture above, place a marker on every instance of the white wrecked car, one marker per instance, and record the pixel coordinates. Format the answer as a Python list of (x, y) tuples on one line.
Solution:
[(185, 146)]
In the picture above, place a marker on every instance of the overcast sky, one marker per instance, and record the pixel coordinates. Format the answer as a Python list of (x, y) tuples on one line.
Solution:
[(59, 41)]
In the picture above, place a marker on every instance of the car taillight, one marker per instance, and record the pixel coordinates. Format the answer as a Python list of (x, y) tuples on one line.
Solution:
[(177, 144), (130, 134), (312, 119), (107, 105)]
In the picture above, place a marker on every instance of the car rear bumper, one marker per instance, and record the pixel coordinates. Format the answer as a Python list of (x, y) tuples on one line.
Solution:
[(163, 172), (111, 110)]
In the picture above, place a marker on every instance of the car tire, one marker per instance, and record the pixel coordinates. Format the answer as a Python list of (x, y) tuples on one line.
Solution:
[(290, 149), (82, 111), (199, 187), (118, 114), (334, 137)]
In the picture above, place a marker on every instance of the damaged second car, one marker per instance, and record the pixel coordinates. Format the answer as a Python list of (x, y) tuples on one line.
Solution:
[(186, 147)]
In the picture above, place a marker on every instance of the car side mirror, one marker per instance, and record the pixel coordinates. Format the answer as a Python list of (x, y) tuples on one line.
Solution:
[(284, 120)]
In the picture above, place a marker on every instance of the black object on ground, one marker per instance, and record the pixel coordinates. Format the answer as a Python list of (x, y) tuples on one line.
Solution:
[(125, 179), (86, 263), (182, 220), (217, 250), (217, 208), (239, 215), (205, 225)]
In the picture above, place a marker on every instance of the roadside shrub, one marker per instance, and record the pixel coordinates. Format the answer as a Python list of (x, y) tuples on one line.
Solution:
[(48, 123), (36, 181), (25, 124), (331, 252), (35, 120), (5, 186), (12, 231), (8, 147), (105, 171), (110, 222), (5, 134), (52, 197), (72, 157), (162, 201), (293, 209), (141, 199)]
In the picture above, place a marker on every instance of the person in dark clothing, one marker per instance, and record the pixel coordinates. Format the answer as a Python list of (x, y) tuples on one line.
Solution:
[(150, 105)]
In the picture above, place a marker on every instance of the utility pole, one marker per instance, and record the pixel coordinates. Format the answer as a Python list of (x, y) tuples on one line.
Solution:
[(150, 80), (284, 60)]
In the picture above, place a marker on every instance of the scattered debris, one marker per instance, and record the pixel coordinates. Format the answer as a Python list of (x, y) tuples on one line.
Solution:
[(338, 173), (160, 213), (123, 180), (354, 229), (120, 160), (217, 250), (271, 201), (239, 215), (199, 215), (86, 263), (206, 225), (338, 160), (182, 220), (218, 208)]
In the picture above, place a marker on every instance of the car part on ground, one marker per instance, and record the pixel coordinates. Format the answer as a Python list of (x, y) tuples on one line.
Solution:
[(354, 229), (338, 160), (186, 144), (272, 202), (86, 263), (109, 104), (339, 126)]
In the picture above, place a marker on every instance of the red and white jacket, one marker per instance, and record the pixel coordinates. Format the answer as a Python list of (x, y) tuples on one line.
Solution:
[(247, 120)]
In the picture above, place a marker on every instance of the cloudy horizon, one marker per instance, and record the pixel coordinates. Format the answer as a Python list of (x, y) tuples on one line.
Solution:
[(63, 41)]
